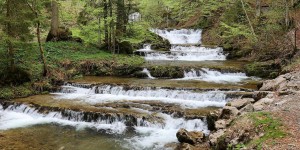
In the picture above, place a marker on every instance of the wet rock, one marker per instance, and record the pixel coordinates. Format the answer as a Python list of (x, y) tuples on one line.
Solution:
[(211, 119), (229, 112), (220, 124), (193, 137), (239, 103)]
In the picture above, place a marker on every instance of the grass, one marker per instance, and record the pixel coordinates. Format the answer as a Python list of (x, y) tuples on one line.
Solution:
[(270, 126), (27, 57)]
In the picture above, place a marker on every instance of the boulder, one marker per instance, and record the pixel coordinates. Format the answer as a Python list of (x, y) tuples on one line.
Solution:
[(259, 105), (248, 108), (229, 112), (213, 138), (257, 95), (185, 146), (220, 124), (193, 137), (239, 103), (211, 118), (272, 85)]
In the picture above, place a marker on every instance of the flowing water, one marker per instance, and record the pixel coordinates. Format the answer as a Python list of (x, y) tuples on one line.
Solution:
[(128, 113)]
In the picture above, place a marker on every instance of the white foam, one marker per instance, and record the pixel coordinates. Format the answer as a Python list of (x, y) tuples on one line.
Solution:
[(214, 76), (182, 36), (186, 56), (155, 136), (24, 116), (146, 48), (145, 70), (184, 98)]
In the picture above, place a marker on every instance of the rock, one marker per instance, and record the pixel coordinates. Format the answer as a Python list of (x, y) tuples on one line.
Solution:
[(271, 85), (211, 119), (229, 112), (185, 146), (239, 103), (257, 95), (220, 124), (193, 137), (213, 138), (259, 105), (264, 101), (248, 108)]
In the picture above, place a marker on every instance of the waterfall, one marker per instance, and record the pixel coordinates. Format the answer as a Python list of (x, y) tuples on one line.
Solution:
[(185, 47), (180, 37), (146, 71), (115, 93), (209, 75), (146, 48)]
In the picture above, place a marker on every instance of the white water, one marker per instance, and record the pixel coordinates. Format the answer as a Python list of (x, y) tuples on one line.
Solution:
[(178, 37), (155, 136), (184, 47), (209, 75), (24, 116), (148, 136), (145, 70), (186, 56), (146, 48), (108, 93)]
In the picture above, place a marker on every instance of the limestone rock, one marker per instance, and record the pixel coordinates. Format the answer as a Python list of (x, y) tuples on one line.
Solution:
[(248, 108), (185, 146), (193, 137), (229, 112), (239, 103), (213, 138), (271, 85), (211, 119), (220, 124)]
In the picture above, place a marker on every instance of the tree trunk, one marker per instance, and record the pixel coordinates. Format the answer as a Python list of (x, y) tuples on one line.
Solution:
[(9, 32), (38, 35), (54, 30), (110, 26), (249, 21), (120, 18), (105, 22)]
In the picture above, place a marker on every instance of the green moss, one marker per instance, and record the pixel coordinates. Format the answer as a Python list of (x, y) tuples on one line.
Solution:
[(10, 92), (263, 69), (270, 126)]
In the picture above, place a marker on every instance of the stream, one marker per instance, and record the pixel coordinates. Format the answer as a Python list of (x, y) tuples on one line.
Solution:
[(129, 113)]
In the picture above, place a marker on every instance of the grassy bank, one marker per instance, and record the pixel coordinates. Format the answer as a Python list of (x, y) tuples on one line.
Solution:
[(65, 60)]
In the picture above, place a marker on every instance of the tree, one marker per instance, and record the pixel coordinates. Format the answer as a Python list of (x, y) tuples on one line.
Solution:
[(54, 30), (35, 7)]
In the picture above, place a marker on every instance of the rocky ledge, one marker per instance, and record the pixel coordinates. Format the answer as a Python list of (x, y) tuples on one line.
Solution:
[(250, 123)]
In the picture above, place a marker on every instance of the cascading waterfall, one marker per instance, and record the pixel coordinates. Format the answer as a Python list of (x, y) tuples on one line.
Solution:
[(209, 75), (16, 116), (147, 72), (180, 37), (146, 48), (110, 93), (148, 137), (184, 47)]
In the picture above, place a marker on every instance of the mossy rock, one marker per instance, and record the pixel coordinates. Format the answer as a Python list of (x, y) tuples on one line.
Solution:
[(263, 69), (125, 47)]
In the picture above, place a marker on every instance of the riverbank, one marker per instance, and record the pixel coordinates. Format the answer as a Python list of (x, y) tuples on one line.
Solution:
[(269, 120)]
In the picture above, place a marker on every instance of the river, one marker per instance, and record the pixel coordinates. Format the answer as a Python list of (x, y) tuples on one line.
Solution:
[(129, 113)]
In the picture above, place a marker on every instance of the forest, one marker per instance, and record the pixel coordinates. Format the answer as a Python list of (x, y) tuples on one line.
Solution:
[(177, 47)]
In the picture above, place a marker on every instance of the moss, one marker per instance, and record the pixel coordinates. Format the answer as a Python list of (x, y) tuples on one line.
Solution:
[(267, 124), (263, 69), (10, 92)]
